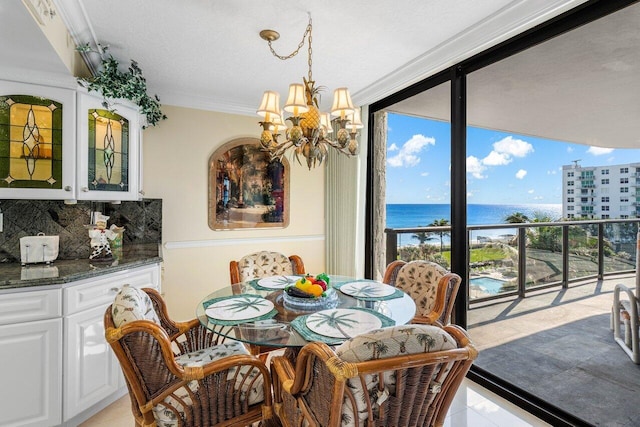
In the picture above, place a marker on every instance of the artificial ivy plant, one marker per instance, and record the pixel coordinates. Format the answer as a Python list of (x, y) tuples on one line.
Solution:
[(113, 84)]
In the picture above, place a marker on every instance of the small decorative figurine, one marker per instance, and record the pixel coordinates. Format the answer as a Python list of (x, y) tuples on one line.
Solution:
[(100, 236)]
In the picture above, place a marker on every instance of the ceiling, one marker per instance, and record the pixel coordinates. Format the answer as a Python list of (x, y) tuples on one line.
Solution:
[(207, 53), (580, 87)]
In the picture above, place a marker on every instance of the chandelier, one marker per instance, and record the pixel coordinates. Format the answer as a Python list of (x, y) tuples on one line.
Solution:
[(309, 137)]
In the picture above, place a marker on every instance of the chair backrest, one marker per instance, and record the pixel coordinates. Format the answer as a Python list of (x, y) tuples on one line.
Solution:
[(398, 376), (139, 347), (430, 285), (264, 264), (169, 366)]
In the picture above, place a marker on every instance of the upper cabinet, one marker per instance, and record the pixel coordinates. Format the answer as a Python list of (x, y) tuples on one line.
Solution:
[(108, 147), (37, 142), (64, 144)]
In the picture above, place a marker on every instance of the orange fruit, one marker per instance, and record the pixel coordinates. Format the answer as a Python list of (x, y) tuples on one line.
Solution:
[(315, 290)]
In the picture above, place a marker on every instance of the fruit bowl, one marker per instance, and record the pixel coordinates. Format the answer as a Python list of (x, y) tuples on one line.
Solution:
[(311, 304), (310, 293)]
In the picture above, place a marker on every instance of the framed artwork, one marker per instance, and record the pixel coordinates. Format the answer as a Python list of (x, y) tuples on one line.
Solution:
[(246, 188)]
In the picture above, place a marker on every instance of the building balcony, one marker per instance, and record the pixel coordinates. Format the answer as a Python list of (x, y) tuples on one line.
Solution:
[(539, 304)]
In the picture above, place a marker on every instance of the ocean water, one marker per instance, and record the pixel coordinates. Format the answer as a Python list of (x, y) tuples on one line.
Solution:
[(417, 215)]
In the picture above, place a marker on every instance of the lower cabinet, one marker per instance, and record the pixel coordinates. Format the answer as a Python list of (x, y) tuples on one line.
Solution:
[(93, 377), (56, 368), (31, 355), (92, 371)]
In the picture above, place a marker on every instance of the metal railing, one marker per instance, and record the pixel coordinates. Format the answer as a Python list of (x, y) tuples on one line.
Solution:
[(526, 256)]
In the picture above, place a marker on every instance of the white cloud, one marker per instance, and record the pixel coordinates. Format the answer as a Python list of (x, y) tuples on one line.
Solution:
[(407, 155), (531, 191), (496, 159), (424, 174), (469, 194), (538, 198), (521, 174), (569, 149), (513, 147), (551, 172), (599, 151), (505, 149), (392, 147), (475, 167)]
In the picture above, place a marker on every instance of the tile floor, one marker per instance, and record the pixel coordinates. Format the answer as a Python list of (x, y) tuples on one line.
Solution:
[(473, 406)]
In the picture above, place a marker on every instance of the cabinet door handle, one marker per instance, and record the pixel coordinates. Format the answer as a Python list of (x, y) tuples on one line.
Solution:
[(68, 188), (85, 189)]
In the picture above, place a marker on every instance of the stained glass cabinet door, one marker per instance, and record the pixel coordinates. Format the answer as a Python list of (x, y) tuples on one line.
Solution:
[(37, 142), (108, 150)]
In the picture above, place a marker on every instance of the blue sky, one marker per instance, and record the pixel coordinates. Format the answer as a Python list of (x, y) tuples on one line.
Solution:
[(502, 168)]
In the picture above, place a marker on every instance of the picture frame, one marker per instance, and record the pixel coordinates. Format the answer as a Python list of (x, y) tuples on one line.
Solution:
[(247, 190)]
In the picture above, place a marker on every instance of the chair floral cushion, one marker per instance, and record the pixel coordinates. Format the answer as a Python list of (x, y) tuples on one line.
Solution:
[(381, 344), (420, 279), (253, 390), (132, 304), (264, 264)]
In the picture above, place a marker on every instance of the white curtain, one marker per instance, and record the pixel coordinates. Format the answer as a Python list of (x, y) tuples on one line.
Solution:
[(345, 184)]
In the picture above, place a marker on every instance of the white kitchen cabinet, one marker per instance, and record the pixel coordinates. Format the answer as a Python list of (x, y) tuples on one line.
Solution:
[(37, 141), (57, 368), (92, 372), (108, 149), (31, 355)]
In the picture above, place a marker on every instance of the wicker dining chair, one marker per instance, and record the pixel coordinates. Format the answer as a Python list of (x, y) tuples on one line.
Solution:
[(397, 376), (430, 285), (264, 264), (179, 373)]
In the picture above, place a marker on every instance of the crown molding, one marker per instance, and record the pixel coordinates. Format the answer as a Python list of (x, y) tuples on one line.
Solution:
[(204, 103)]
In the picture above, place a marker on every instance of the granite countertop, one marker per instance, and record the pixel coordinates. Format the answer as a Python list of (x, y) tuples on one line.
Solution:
[(13, 275)]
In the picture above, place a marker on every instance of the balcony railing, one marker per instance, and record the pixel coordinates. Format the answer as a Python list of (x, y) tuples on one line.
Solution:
[(514, 259)]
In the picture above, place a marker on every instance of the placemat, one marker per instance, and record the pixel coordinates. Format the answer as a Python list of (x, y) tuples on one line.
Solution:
[(231, 322), (255, 285), (397, 294), (300, 325)]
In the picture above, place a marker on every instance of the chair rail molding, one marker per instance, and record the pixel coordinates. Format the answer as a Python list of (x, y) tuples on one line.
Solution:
[(185, 244)]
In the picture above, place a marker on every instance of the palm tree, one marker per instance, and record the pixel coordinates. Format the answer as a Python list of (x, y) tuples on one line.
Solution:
[(426, 340), (440, 223), (516, 218), (378, 347), (421, 236)]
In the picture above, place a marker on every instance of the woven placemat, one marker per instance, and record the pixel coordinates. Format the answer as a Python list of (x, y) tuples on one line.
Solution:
[(300, 325), (397, 294), (231, 322)]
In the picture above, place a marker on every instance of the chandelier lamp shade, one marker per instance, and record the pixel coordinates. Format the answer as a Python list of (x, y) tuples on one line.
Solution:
[(309, 136)]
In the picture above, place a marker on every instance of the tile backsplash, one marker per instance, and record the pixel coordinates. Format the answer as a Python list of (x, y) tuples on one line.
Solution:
[(142, 221)]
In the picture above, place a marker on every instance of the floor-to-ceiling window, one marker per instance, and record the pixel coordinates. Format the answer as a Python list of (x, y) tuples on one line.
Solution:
[(524, 104)]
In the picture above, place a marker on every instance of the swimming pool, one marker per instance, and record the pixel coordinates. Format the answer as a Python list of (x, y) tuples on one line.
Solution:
[(488, 284)]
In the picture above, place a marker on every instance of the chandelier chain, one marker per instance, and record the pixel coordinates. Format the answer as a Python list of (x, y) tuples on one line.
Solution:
[(307, 32)]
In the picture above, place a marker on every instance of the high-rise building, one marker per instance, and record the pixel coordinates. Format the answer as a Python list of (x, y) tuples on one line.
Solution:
[(600, 192)]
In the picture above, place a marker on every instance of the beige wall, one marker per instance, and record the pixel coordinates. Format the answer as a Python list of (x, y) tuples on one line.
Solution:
[(196, 258)]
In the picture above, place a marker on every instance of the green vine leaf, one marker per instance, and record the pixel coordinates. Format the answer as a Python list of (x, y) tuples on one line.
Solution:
[(113, 83)]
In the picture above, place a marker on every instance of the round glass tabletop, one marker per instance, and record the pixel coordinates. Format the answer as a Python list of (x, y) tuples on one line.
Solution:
[(274, 329)]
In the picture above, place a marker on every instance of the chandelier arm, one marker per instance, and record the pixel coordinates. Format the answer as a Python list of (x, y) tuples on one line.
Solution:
[(337, 147)]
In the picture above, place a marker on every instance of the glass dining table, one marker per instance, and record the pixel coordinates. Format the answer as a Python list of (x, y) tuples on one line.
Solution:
[(261, 314)]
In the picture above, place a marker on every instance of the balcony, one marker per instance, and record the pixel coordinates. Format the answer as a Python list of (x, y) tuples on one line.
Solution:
[(539, 303)]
